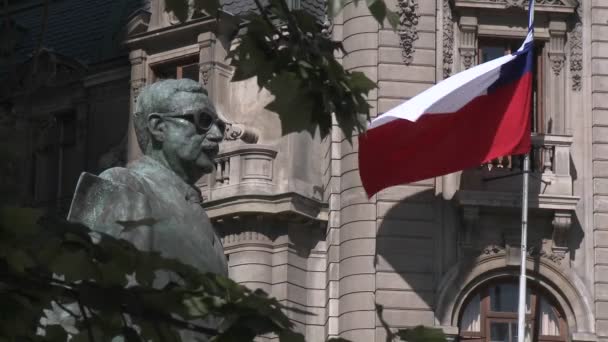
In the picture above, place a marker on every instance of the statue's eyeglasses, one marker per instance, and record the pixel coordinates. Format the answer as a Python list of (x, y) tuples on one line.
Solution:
[(202, 120)]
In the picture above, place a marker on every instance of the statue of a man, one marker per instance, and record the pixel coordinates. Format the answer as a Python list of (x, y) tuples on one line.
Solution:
[(153, 202)]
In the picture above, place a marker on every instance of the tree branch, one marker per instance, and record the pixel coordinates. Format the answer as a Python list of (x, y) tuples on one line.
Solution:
[(86, 321), (266, 17), (64, 308)]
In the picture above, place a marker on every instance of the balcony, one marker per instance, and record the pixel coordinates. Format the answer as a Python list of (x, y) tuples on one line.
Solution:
[(250, 180), (499, 183), (497, 186)]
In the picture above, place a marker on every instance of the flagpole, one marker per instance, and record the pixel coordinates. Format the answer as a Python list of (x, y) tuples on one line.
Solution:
[(521, 315)]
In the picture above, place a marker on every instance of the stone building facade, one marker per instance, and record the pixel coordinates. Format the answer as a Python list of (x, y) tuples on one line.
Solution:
[(442, 252)]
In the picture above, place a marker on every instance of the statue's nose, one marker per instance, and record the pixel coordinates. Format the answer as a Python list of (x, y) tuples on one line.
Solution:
[(215, 134)]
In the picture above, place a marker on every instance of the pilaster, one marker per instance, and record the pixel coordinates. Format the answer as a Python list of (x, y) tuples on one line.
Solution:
[(468, 25)]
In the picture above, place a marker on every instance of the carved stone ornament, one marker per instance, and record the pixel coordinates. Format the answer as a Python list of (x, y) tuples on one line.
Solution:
[(408, 33), (575, 38), (516, 3), (468, 56), (557, 62), (562, 221), (493, 250), (205, 71), (235, 131), (448, 39)]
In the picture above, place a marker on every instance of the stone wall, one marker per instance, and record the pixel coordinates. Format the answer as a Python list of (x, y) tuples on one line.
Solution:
[(599, 95), (407, 216)]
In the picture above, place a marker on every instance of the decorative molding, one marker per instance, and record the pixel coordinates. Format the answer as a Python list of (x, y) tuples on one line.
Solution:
[(493, 250), (562, 221), (235, 131), (575, 38), (515, 3), (408, 33), (448, 39)]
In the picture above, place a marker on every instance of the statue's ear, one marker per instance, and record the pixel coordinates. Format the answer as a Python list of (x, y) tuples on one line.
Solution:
[(156, 127)]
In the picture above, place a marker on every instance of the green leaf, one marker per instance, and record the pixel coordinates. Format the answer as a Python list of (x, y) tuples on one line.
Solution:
[(393, 19), (19, 261), (55, 333), (73, 265), (178, 7), (378, 10), (130, 335), (209, 6), (291, 103)]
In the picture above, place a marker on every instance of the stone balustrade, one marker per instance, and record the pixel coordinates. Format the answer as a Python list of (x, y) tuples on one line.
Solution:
[(243, 169), (499, 183)]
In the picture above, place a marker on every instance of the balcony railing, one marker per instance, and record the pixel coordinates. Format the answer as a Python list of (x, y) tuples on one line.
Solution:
[(550, 168), (244, 169)]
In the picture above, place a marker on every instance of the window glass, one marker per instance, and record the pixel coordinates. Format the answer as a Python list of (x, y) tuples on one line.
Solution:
[(471, 317), (549, 323), (505, 298)]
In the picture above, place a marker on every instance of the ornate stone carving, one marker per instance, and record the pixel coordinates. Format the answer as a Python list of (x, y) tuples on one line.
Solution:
[(515, 3), (468, 56), (408, 33), (493, 250), (248, 228), (557, 62), (448, 39), (205, 71), (575, 38), (235, 131), (562, 221)]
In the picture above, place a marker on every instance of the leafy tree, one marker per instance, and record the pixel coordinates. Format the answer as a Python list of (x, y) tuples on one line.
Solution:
[(292, 56), (60, 279)]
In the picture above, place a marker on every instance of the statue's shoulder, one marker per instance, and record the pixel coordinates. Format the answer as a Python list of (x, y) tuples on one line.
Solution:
[(115, 195), (122, 176)]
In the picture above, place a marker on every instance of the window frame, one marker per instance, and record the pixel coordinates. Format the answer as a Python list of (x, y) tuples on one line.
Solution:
[(176, 66), (509, 43), (487, 316)]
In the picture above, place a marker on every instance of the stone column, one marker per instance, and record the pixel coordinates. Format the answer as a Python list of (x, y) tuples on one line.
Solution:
[(139, 77), (215, 73), (555, 80), (357, 316), (468, 40)]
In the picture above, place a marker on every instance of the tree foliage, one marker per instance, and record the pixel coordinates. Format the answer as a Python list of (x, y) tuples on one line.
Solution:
[(292, 56), (95, 287), (60, 279)]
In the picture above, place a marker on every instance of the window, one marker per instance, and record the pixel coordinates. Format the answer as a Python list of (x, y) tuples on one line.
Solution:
[(56, 162), (187, 68), (490, 315), (492, 48)]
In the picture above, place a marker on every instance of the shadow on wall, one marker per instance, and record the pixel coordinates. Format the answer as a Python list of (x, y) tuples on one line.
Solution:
[(422, 252)]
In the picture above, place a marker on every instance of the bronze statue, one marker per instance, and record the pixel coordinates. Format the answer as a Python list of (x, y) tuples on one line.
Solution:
[(153, 202)]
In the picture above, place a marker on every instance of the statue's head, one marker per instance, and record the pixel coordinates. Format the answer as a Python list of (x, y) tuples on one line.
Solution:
[(176, 124)]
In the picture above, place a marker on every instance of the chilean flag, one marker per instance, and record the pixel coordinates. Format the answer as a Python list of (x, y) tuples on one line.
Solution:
[(464, 121)]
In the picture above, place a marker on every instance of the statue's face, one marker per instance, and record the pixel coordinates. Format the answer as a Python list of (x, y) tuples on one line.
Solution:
[(192, 134)]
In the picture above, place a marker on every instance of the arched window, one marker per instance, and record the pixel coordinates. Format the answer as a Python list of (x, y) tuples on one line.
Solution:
[(490, 315)]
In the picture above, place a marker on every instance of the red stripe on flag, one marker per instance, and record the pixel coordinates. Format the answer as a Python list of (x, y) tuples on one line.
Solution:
[(488, 127)]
